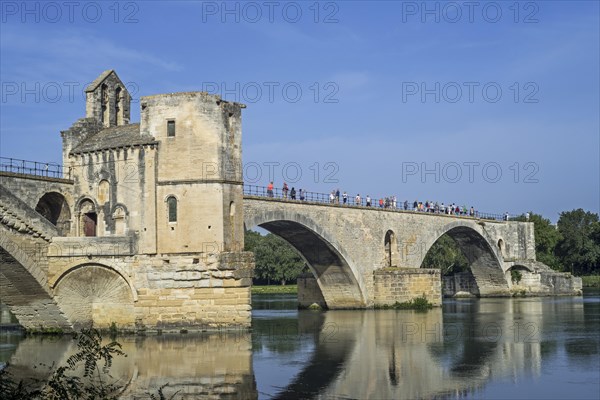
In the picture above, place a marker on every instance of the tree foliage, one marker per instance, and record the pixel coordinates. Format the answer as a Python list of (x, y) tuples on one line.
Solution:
[(572, 245), (579, 248), (276, 260), (446, 255)]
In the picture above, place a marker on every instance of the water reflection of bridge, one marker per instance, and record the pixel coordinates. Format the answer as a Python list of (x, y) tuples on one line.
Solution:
[(357, 354)]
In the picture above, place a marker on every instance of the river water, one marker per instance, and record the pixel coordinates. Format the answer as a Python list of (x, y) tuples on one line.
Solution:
[(531, 348)]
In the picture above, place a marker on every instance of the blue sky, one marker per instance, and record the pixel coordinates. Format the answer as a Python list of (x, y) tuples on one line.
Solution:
[(367, 94)]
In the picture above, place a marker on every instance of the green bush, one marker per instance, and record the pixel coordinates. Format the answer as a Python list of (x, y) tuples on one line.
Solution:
[(516, 276), (591, 281), (418, 303)]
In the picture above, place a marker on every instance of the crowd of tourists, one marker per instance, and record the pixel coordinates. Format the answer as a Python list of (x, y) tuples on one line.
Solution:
[(390, 202)]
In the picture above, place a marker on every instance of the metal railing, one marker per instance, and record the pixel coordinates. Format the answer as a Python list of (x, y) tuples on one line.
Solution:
[(54, 170), (36, 168), (351, 201)]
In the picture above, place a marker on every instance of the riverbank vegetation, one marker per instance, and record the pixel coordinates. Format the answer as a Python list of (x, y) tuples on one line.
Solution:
[(418, 304), (275, 289), (591, 281)]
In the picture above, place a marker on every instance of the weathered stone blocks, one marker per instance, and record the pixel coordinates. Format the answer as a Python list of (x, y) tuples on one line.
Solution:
[(405, 284)]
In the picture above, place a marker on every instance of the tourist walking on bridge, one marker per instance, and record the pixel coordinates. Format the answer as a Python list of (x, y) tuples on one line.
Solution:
[(368, 201), (358, 200), (285, 190), (293, 193), (270, 189)]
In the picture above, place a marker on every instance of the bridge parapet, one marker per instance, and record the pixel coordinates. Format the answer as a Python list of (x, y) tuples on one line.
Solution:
[(276, 194), (16, 214)]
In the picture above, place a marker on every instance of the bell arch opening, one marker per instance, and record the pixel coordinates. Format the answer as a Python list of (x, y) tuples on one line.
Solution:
[(469, 264), (54, 207), (335, 278)]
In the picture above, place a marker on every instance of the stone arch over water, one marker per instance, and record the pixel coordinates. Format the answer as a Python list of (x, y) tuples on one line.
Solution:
[(336, 277), (484, 257)]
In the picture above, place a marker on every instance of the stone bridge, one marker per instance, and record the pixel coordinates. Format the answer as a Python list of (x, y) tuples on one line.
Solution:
[(360, 257), (366, 256)]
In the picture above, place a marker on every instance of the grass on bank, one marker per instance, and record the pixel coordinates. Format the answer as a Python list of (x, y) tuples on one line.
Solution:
[(275, 289), (591, 281), (418, 303)]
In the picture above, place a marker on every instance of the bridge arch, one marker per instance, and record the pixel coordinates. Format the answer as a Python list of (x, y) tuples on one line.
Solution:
[(95, 294), (483, 254), (340, 284), (24, 283), (55, 208)]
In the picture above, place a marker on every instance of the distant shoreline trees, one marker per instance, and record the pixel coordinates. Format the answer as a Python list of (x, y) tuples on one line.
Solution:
[(276, 260)]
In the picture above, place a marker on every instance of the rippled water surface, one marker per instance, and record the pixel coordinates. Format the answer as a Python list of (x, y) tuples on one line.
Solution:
[(488, 348)]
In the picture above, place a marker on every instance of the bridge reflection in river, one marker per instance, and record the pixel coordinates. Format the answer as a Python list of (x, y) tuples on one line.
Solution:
[(489, 347)]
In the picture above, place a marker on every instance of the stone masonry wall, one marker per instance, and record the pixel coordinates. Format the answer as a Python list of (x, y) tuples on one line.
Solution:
[(404, 284), (309, 292), (462, 283), (166, 292)]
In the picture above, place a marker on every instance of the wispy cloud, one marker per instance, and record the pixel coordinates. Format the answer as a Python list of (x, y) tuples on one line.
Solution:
[(74, 50)]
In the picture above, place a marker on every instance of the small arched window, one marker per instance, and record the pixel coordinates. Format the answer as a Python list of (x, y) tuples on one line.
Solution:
[(391, 249), (172, 208), (501, 246)]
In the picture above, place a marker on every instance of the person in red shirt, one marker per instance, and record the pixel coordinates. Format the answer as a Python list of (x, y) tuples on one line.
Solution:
[(270, 190)]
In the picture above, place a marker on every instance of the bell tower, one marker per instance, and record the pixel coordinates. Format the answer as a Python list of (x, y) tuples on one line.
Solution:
[(108, 101)]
